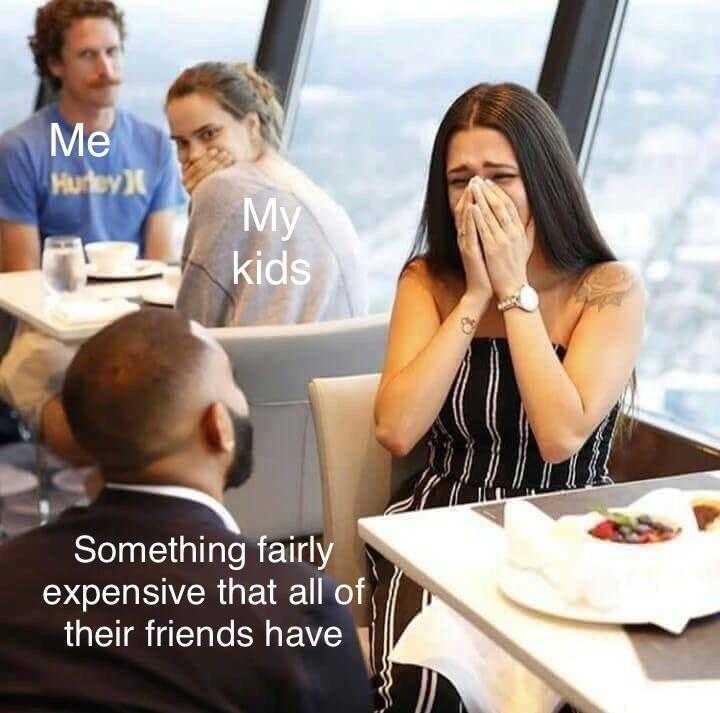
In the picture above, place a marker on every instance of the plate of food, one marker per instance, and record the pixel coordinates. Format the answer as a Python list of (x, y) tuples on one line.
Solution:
[(654, 561)]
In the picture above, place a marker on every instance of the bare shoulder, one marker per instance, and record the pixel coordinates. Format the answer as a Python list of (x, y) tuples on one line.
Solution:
[(610, 283), (445, 290), (418, 270), (418, 274)]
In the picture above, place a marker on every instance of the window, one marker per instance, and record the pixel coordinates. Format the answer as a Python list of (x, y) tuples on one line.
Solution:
[(165, 38), (654, 183), (379, 80), (19, 80), (162, 39)]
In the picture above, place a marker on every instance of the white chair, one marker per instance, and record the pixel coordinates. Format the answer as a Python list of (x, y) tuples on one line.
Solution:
[(358, 474), (273, 366)]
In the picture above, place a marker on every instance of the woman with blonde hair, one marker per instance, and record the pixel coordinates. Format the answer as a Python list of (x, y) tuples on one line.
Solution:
[(264, 244)]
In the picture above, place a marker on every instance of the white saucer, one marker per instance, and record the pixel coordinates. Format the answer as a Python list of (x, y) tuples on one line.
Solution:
[(163, 295), (140, 270)]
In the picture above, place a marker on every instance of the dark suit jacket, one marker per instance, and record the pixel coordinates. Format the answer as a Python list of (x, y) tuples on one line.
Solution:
[(38, 672)]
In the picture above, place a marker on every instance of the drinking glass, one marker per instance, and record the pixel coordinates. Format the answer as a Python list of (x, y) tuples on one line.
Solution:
[(63, 265)]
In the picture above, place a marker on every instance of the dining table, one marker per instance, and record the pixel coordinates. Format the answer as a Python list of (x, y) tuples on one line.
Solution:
[(456, 553), (24, 296)]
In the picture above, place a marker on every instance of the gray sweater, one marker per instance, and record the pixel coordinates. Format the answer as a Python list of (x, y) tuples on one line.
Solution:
[(257, 254)]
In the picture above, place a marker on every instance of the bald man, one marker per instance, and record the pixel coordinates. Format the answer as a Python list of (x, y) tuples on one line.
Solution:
[(152, 400)]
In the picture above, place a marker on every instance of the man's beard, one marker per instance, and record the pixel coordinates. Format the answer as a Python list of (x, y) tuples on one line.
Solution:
[(240, 468)]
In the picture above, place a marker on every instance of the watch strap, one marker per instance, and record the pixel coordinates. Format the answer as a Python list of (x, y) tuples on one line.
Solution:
[(526, 298), (509, 302)]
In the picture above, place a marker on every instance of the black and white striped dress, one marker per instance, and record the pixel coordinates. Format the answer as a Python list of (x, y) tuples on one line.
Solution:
[(480, 448)]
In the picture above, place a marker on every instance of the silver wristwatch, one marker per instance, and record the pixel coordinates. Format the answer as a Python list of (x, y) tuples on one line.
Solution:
[(526, 298)]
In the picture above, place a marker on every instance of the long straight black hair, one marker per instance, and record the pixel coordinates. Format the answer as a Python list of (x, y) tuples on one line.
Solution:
[(564, 224), (566, 229)]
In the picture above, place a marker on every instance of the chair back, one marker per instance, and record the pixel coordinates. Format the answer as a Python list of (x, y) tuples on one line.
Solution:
[(358, 474), (273, 366)]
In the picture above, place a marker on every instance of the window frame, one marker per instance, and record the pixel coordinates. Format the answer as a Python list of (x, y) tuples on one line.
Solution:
[(575, 73)]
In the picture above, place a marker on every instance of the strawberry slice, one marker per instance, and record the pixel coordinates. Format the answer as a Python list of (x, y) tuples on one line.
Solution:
[(605, 530)]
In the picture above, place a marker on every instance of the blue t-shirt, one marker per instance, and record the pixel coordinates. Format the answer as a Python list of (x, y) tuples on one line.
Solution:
[(107, 198)]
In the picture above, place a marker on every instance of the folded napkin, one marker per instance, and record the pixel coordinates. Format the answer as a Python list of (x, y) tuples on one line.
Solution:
[(487, 679), (88, 311)]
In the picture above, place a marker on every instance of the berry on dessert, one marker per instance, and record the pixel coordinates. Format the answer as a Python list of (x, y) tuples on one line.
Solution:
[(638, 530)]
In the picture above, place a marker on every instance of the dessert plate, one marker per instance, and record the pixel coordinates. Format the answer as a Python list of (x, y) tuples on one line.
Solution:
[(662, 583), (531, 590), (140, 270)]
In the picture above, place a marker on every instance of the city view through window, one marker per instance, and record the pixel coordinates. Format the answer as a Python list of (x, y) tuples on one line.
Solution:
[(654, 183), (376, 89)]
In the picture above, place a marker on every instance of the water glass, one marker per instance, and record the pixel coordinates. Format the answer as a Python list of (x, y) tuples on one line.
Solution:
[(63, 265)]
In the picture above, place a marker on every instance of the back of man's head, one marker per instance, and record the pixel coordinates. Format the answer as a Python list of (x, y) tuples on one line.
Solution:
[(136, 390)]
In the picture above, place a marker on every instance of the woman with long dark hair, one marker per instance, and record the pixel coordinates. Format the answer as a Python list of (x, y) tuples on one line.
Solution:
[(513, 338)]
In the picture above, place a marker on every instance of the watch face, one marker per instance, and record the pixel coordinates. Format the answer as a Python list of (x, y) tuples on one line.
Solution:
[(528, 298)]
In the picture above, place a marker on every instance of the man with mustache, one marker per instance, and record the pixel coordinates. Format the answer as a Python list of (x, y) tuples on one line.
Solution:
[(152, 399), (130, 193)]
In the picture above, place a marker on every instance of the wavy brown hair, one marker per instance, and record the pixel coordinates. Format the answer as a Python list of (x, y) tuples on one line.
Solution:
[(54, 18)]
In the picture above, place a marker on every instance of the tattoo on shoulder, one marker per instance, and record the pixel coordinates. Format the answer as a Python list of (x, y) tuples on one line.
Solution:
[(608, 284), (468, 325)]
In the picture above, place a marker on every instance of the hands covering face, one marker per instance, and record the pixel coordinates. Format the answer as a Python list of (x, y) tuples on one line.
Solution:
[(494, 244), (214, 159)]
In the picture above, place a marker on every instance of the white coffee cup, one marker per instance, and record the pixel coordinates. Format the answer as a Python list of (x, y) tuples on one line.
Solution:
[(112, 256)]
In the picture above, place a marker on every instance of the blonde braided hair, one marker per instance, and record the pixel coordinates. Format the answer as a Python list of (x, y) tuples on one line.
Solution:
[(272, 115), (240, 89)]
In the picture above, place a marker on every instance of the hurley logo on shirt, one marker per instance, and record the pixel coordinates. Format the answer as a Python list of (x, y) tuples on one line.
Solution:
[(129, 182)]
